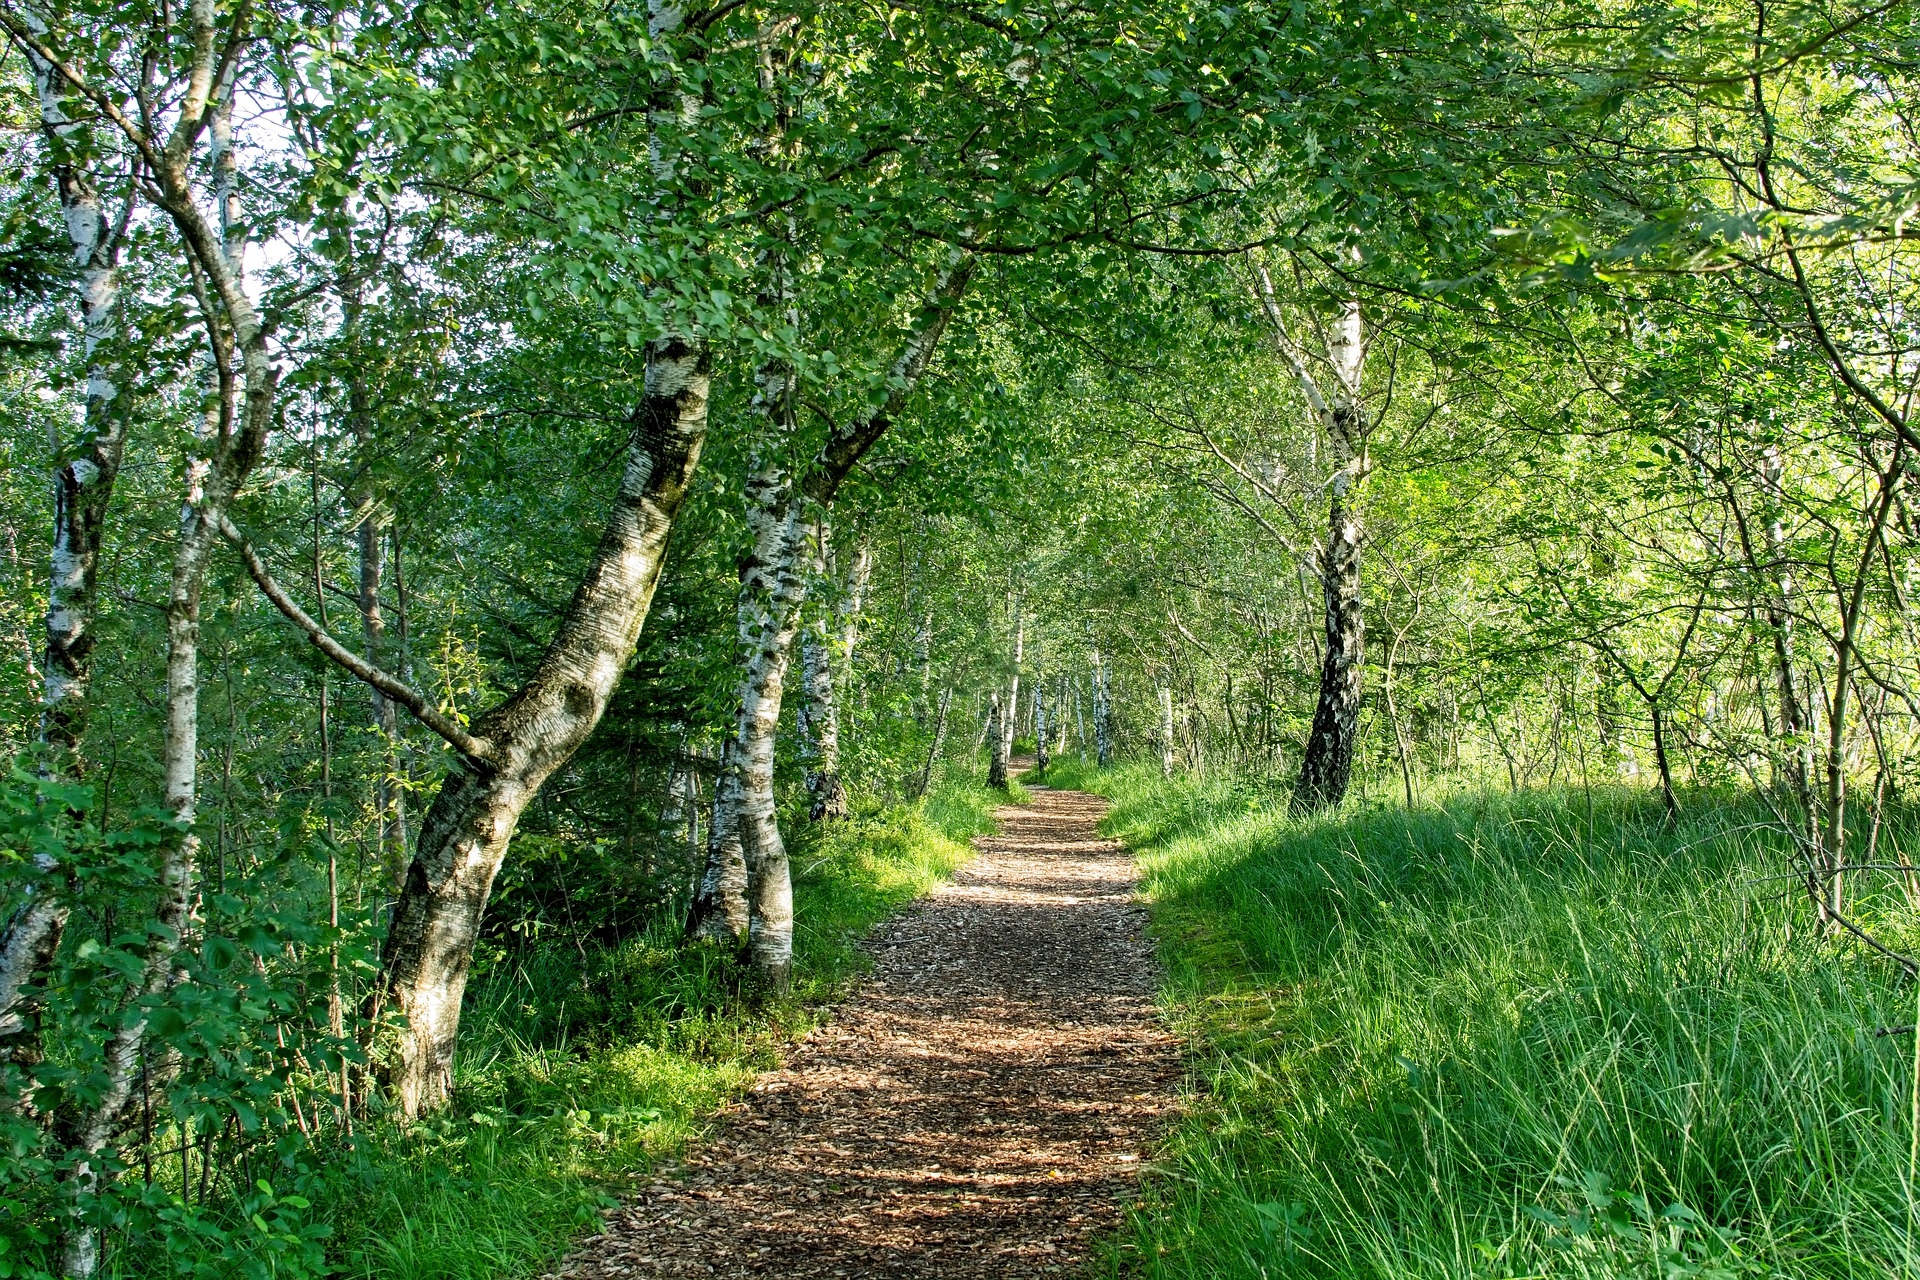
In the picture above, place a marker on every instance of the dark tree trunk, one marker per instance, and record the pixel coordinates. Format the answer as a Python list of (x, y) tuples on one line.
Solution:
[(1327, 765)]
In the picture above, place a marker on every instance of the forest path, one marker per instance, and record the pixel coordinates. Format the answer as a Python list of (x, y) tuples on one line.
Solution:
[(979, 1106)]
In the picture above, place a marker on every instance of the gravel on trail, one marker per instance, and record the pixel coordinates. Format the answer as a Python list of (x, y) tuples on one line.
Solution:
[(980, 1106)]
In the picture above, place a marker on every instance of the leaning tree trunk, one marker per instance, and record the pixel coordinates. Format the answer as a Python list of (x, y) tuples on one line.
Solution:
[(463, 838)]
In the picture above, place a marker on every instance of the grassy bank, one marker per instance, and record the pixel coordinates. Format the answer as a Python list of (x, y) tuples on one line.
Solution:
[(1512, 1037), (581, 1071)]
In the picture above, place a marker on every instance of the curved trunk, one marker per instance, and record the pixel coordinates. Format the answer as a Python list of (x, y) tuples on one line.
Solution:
[(436, 919)]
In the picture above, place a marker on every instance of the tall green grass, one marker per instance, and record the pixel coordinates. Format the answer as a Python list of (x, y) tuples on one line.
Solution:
[(1534, 1036), (581, 1071)]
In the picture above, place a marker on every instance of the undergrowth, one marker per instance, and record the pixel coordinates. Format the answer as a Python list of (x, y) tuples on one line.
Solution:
[(1501, 1036), (581, 1071)]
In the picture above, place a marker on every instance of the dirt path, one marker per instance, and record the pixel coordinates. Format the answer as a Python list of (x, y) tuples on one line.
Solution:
[(978, 1108)]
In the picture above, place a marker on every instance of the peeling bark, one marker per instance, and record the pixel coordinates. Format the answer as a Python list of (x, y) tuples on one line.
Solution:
[(464, 836)]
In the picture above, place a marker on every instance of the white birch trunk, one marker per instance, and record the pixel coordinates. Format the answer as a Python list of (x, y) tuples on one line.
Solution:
[(746, 888), (1102, 719), (1043, 754), (84, 474), (997, 763), (1010, 712), (1326, 764), (1166, 731), (465, 834)]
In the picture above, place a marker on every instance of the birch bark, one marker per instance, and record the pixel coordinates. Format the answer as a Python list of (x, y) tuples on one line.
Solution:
[(1166, 731), (1326, 765), (997, 762), (1010, 711), (828, 646), (464, 836), (1102, 714), (83, 479), (745, 890), (239, 415)]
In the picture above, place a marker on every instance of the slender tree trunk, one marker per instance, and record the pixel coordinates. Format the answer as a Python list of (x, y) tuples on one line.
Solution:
[(822, 650), (1010, 710), (436, 920), (1102, 714), (1043, 754), (371, 529), (84, 474), (997, 761), (1166, 730), (939, 742)]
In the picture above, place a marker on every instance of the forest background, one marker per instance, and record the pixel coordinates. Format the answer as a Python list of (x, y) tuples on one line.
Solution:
[(526, 527)]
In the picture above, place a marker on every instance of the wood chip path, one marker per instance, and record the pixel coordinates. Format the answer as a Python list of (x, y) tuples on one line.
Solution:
[(979, 1107)]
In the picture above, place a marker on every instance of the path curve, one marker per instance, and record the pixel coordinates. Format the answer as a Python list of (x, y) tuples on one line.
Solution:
[(979, 1107)]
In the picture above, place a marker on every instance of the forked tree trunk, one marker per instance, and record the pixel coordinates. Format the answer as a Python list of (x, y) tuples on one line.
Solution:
[(745, 891), (465, 833), (745, 894), (239, 417)]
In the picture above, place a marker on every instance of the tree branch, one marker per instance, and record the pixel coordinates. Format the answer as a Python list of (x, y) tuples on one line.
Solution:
[(402, 693)]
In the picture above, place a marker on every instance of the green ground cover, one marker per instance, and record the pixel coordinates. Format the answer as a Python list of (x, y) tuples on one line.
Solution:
[(1504, 1036), (582, 1071)]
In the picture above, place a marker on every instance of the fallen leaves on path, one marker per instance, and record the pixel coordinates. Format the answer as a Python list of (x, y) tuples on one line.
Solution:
[(978, 1108)]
